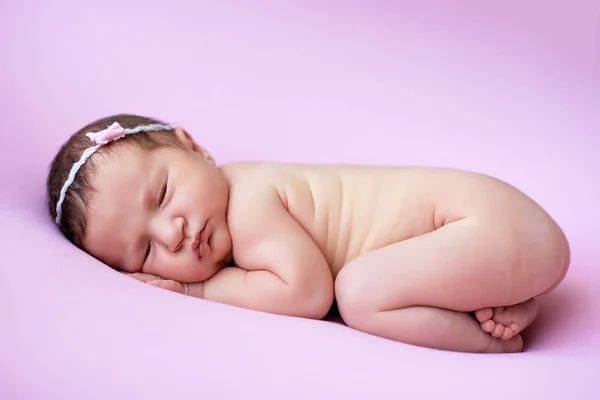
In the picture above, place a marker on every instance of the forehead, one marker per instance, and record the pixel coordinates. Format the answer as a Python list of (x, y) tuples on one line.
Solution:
[(119, 181), (115, 177)]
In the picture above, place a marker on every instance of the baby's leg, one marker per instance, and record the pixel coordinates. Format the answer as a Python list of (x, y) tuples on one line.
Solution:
[(420, 290), (436, 328), (505, 322)]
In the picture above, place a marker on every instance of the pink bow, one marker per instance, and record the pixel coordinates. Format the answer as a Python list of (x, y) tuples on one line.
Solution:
[(113, 132)]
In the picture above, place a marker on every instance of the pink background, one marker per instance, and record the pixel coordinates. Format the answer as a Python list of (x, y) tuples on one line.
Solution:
[(509, 89)]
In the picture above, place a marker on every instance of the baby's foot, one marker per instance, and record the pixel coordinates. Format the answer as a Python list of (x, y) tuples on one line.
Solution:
[(506, 322), (513, 345)]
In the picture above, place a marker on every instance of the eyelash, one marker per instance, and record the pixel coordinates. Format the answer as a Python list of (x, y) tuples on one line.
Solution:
[(162, 195), (161, 199), (147, 251)]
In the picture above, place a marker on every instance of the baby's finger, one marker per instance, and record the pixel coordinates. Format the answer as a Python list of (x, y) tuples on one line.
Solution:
[(142, 277), (173, 286)]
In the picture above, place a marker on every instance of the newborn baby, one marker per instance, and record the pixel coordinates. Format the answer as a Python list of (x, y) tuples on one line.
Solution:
[(432, 257)]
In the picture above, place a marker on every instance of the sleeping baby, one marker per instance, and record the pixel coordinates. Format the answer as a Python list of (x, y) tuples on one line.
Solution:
[(432, 257)]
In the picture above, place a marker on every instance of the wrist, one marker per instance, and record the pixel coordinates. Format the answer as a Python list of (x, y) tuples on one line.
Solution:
[(194, 289)]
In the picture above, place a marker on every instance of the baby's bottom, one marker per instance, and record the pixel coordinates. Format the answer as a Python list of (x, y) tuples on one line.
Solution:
[(444, 289)]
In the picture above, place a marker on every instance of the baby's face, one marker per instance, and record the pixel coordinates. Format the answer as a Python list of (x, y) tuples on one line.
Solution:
[(161, 212)]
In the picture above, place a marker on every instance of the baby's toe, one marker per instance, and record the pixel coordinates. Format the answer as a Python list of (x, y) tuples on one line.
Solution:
[(515, 328), (484, 314), (498, 331), (508, 333), (488, 326)]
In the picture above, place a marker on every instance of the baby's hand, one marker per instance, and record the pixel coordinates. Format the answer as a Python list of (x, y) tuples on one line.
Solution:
[(159, 282), (195, 289)]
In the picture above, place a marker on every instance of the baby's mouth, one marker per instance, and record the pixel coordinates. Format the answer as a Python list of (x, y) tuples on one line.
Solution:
[(201, 242)]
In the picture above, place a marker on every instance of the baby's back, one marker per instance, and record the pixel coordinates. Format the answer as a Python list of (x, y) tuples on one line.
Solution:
[(351, 210)]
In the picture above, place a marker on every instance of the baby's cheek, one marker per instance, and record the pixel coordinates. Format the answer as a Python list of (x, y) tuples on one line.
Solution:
[(168, 266), (223, 242), (155, 270)]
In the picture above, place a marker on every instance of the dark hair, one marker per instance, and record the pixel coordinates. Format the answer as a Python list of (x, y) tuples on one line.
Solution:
[(78, 196)]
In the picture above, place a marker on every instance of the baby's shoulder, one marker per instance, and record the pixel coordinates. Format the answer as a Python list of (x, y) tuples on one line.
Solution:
[(254, 196), (255, 176), (252, 184)]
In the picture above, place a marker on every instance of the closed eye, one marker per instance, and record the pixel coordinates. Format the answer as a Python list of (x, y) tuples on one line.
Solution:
[(147, 253), (163, 193)]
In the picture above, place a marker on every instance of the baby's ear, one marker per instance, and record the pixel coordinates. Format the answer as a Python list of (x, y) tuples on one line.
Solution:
[(184, 137)]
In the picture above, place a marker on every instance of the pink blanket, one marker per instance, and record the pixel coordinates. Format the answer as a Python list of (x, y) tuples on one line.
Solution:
[(509, 90)]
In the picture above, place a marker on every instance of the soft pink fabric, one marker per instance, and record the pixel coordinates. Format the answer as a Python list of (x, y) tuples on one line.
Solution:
[(509, 89), (113, 132)]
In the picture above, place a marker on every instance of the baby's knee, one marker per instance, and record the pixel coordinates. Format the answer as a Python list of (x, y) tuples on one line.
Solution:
[(553, 250), (541, 248), (563, 260)]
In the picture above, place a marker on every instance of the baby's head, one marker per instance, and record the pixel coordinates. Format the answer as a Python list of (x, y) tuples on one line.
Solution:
[(141, 196)]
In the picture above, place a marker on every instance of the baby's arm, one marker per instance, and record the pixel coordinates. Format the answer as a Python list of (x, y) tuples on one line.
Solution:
[(282, 269)]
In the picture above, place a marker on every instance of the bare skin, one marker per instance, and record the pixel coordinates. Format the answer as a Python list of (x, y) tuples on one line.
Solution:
[(398, 219), (506, 322), (426, 256)]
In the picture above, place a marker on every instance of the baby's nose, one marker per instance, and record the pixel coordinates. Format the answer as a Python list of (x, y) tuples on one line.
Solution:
[(176, 245), (177, 235)]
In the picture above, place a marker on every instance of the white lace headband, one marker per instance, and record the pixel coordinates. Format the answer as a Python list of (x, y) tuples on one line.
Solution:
[(112, 133)]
